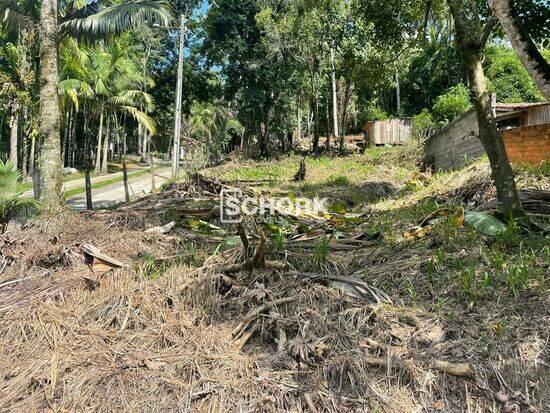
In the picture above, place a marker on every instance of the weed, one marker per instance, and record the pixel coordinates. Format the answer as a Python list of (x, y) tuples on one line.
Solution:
[(518, 276), (321, 251)]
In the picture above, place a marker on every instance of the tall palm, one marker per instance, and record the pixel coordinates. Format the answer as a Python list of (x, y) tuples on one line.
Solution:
[(116, 79), (90, 21)]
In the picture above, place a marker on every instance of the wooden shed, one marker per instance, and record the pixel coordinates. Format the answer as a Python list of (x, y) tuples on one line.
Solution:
[(389, 132)]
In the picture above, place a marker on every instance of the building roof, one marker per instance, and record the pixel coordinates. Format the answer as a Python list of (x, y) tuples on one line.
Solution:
[(510, 107)]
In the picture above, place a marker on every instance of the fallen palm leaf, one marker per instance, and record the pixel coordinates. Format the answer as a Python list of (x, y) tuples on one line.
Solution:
[(99, 261), (161, 230)]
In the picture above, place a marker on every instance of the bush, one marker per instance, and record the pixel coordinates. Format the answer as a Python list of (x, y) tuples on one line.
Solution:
[(374, 112), (11, 204), (423, 125), (452, 104)]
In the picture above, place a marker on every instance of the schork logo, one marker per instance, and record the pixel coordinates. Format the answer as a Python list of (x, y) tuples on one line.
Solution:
[(234, 206)]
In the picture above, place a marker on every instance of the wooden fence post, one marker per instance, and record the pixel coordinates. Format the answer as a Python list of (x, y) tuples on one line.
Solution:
[(89, 201), (125, 178), (153, 181)]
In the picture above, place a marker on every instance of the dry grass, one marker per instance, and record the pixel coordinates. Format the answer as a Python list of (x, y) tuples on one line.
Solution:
[(190, 338)]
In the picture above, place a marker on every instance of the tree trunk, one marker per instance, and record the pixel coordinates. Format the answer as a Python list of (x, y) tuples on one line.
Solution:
[(347, 98), (51, 180), (299, 117), (32, 155), (105, 163), (139, 133), (315, 108), (65, 143), (471, 47), (99, 143), (327, 141), (264, 138), (14, 133), (334, 93), (398, 91), (24, 143), (534, 62)]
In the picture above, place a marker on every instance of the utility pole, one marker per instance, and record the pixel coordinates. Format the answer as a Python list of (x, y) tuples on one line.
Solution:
[(179, 99)]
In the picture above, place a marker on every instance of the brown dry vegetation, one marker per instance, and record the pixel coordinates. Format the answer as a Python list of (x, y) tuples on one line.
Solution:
[(176, 330)]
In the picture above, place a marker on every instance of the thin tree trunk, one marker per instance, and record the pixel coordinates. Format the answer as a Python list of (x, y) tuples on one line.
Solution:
[(14, 133), (471, 47), (398, 91), (125, 180), (32, 155), (24, 148), (532, 59), (327, 142), (139, 133), (299, 116), (153, 181), (99, 143), (52, 183), (315, 108), (264, 141), (347, 97), (105, 163), (334, 93), (65, 143)]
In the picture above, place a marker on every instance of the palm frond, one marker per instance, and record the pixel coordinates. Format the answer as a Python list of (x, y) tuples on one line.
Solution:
[(136, 98), (9, 175), (142, 118), (117, 19)]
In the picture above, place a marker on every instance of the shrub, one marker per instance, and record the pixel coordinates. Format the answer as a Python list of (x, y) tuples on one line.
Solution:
[(11, 205), (452, 104)]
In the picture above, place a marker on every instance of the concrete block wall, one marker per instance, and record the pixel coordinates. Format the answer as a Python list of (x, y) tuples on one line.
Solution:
[(528, 144), (455, 144), (458, 142)]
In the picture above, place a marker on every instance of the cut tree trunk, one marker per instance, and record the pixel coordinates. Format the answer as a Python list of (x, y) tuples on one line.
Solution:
[(51, 181), (532, 59), (99, 143)]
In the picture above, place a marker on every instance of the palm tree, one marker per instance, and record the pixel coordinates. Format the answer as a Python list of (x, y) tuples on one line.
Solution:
[(90, 21), (116, 80)]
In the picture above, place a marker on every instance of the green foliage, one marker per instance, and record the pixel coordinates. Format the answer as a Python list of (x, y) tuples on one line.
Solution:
[(374, 112), (11, 205), (423, 125), (452, 104), (508, 78)]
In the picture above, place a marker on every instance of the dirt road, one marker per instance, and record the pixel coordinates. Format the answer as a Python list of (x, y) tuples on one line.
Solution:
[(114, 194)]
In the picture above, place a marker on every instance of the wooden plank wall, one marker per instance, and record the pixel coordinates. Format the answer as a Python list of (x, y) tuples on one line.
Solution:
[(389, 132)]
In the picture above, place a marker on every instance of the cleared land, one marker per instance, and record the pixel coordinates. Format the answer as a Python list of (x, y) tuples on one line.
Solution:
[(341, 314)]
